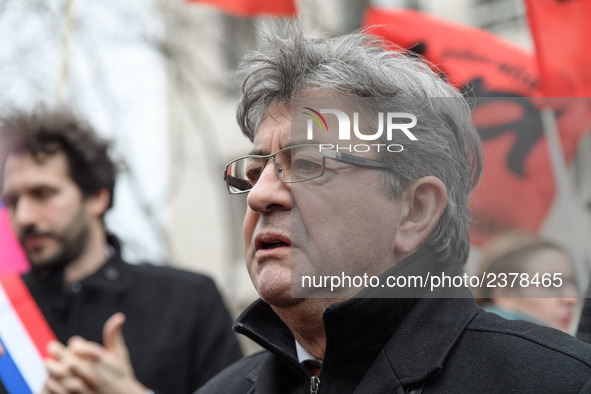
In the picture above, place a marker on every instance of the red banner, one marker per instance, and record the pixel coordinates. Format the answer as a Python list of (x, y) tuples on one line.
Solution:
[(465, 54), (517, 186), (251, 8), (561, 30)]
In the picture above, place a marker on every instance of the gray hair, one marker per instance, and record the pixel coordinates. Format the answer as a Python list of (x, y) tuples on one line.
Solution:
[(361, 65)]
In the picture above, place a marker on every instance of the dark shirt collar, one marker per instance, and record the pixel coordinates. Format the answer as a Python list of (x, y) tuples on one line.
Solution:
[(112, 275)]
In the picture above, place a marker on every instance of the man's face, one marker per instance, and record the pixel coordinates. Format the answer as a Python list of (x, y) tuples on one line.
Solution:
[(339, 223), (46, 207)]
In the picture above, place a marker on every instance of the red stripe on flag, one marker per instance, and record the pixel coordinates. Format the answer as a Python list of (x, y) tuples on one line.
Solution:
[(28, 311), (253, 7), (561, 30)]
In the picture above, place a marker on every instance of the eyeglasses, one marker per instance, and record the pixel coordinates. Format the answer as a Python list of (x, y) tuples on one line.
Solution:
[(296, 163)]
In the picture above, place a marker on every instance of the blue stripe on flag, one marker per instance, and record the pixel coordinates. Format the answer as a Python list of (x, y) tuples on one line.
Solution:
[(10, 375)]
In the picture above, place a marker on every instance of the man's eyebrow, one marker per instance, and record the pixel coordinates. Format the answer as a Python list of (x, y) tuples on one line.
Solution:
[(262, 152), (257, 152)]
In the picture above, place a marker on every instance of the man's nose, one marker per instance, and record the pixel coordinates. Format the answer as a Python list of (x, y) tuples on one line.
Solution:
[(269, 193), (25, 213)]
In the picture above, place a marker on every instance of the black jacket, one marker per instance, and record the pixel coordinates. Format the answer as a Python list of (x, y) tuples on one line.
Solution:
[(177, 329), (584, 329), (398, 345)]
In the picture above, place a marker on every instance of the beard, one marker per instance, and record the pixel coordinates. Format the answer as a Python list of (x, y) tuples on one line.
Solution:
[(72, 241)]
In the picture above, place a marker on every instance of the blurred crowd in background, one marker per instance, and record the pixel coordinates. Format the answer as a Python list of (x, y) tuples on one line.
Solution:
[(158, 78)]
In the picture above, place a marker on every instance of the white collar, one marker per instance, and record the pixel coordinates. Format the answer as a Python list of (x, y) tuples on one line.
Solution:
[(304, 355)]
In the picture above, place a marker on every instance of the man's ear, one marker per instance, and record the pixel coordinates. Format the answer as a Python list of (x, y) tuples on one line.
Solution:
[(98, 203), (424, 201)]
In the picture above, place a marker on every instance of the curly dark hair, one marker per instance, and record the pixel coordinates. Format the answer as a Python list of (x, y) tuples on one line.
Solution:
[(44, 131)]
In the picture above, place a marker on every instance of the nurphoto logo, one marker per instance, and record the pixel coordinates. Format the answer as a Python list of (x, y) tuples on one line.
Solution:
[(394, 121)]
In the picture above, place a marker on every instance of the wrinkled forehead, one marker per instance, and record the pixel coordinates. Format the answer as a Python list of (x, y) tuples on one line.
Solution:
[(316, 119), (274, 130)]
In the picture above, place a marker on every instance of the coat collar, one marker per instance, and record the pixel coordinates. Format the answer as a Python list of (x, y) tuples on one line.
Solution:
[(420, 345), (111, 276), (401, 339)]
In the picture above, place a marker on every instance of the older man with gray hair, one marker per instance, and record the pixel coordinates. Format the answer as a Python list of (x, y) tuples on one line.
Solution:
[(358, 182)]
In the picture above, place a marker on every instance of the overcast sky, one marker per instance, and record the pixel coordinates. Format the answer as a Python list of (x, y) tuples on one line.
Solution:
[(116, 81)]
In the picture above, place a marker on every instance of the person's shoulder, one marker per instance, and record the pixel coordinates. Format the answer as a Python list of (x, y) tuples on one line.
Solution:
[(237, 378), (174, 283), (492, 354), (524, 339), (164, 273)]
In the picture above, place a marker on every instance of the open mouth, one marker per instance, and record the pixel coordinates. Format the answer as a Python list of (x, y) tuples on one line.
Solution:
[(273, 245), (268, 241)]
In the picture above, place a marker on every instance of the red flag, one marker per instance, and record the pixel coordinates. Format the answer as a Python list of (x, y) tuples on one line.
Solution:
[(462, 52), (517, 186), (254, 7), (561, 30)]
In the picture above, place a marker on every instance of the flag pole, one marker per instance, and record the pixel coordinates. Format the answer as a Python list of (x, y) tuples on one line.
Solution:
[(62, 91), (565, 195)]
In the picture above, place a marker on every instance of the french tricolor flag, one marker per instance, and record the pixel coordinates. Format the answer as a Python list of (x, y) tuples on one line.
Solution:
[(24, 334)]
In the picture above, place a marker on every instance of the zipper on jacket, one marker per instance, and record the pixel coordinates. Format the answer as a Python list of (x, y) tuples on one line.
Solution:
[(314, 384), (314, 380)]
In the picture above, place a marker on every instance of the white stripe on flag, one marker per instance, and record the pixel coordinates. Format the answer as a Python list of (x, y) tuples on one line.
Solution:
[(22, 349)]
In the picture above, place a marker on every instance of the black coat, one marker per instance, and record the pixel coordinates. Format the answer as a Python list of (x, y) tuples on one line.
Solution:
[(177, 329), (400, 345), (584, 329)]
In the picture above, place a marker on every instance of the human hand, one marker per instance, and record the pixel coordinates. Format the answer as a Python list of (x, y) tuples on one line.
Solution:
[(86, 367), (70, 373)]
